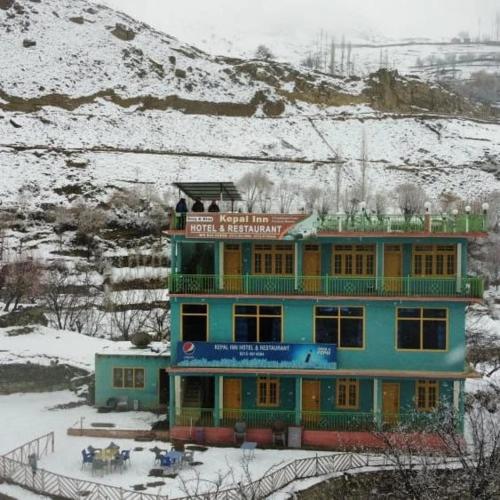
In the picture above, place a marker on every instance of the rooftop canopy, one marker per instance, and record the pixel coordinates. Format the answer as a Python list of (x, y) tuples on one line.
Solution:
[(223, 191)]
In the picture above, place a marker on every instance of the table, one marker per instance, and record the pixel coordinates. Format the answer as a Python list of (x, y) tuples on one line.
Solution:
[(248, 449), (176, 457)]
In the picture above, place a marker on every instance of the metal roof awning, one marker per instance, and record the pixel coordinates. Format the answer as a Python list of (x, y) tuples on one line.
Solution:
[(223, 191)]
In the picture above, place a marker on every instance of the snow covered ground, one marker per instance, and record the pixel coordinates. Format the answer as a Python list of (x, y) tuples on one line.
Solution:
[(32, 415)]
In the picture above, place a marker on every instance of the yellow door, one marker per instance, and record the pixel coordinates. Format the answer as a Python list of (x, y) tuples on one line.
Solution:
[(232, 267), (311, 268), (310, 401), (393, 261), (232, 399), (390, 403)]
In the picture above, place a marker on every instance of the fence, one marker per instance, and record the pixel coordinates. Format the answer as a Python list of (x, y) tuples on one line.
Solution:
[(40, 446), (45, 482)]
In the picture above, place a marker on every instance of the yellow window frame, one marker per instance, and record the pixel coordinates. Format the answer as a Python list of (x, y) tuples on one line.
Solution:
[(352, 258), (345, 388), (426, 395), (430, 257), (422, 319), (257, 316), (285, 252), (339, 317), (194, 314), (271, 394), (122, 370)]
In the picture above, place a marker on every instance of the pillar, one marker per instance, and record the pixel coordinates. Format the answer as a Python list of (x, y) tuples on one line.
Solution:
[(298, 400), (379, 264), (299, 260), (221, 265), (171, 400), (377, 402), (459, 264), (218, 399)]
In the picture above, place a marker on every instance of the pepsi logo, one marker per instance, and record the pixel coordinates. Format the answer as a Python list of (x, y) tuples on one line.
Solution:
[(188, 348)]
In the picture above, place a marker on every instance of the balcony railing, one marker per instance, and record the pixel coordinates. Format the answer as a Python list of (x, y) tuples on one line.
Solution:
[(310, 420), (410, 286), (463, 223)]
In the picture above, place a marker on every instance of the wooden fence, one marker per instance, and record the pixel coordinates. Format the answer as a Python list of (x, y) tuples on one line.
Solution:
[(14, 467)]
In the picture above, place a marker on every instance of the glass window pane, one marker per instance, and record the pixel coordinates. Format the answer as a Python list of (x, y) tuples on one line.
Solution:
[(352, 394), (418, 264), (327, 331), (359, 264), (268, 263), (370, 264), (194, 328), (348, 264), (408, 334), (278, 264), (262, 393), (434, 313), (118, 377), (337, 265), (270, 310), (351, 311), (428, 264), (351, 332), (327, 311), (270, 329), (248, 310), (129, 377), (406, 312), (450, 265), (139, 378), (245, 329), (434, 335), (289, 264), (439, 264), (258, 263), (194, 308)]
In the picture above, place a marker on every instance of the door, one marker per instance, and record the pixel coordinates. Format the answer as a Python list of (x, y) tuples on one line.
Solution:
[(311, 268), (232, 400), (390, 403), (393, 262), (163, 388), (232, 267), (311, 403)]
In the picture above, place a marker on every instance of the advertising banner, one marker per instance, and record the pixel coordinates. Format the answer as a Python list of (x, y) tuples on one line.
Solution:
[(257, 355), (239, 225)]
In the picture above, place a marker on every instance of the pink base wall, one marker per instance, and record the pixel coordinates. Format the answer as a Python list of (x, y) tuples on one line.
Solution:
[(325, 440)]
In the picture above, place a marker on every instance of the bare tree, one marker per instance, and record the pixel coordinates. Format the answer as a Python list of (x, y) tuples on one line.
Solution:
[(263, 52), (331, 66), (411, 199), (286, 193), (89, 222), (20, 279), (311, 197), (253, 185), (364, 163), (129, 313), (379, 204)]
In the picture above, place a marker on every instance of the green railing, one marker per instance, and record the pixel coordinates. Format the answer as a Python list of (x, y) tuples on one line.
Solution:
[(410, 286), (462, 223), (314, 420)]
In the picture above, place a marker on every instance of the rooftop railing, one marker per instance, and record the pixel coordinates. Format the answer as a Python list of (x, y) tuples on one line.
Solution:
[(272, 285), (463, 223)]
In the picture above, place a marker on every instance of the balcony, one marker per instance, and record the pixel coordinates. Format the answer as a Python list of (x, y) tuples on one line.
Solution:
[(310, 420), (362, 223), (270, 285)]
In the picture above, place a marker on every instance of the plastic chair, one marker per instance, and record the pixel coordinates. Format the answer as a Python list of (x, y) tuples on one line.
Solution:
[(279, 432), (98, 466), (240, 431), (165, 461), (125, 455), (117, 463), (188, 456), (87, 458)]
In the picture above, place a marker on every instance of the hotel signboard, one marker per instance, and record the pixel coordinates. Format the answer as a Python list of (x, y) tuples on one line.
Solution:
[(256, 355), (239, 225)]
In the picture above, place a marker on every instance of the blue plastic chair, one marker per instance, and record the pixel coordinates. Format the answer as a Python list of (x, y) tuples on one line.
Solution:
[(125, 455), (165, 461), (87, 458)]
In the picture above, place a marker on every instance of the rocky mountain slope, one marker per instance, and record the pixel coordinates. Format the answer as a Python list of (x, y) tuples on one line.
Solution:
[(92, 100)]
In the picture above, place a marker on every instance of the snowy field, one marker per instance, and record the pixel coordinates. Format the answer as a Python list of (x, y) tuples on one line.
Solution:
[(32, 415)]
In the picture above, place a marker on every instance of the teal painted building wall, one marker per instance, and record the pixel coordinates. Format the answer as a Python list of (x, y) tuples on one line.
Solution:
[(148, 397), (380, 331)]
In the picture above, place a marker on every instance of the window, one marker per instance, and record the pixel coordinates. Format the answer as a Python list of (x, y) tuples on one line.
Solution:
[(422, 329), (427, 395), (194, 318), (434, 260), (347, 393), (273, 259), (354, 260), (257, 323), (124, 378), (268, 391), (342, 326)]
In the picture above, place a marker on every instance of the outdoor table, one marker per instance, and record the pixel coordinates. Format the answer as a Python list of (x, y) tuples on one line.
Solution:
[(107, 455), (248, 449)]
